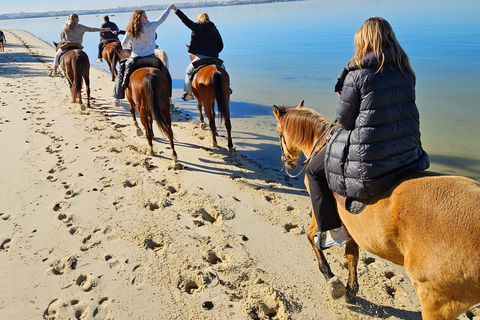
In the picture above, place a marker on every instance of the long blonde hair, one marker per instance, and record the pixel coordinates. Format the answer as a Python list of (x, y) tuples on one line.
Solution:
[(376, 35), (203, 18), (134, 27), (71, 21)]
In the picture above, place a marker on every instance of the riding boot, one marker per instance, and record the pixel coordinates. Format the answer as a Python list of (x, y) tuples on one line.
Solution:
[(169, 77), (129, 68), (100, 50)]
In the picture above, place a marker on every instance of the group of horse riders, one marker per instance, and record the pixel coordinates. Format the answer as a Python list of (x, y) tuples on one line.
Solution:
[(140, 35)]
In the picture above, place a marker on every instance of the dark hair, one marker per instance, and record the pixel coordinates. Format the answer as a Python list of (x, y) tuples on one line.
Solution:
[(106, 18)]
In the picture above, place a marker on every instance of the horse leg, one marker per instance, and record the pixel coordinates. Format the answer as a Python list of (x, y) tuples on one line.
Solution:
[(86, 78), (199, 107), (337, 289), (228, 127), (147, 125), (211, 122), (135, 123), (351, 251)]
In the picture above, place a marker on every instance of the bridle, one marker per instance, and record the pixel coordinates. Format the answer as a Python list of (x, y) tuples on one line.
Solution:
[(288, 161)]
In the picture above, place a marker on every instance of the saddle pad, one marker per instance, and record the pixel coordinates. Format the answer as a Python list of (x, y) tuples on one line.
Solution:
[(148, 62)]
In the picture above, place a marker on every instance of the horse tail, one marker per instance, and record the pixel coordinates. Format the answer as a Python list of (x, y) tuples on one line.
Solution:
[(219, 94), (152, 103), (77, 75)]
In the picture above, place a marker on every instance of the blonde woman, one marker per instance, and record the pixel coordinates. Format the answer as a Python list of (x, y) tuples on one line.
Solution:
[(205, 42), (72, 32), (378, 141), (140, 38)]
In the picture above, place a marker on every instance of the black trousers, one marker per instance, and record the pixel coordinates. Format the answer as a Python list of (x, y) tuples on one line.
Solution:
[(323, 201), (100, 49)]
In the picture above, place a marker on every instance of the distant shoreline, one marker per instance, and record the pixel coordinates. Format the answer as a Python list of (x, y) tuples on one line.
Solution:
[(26, 15)]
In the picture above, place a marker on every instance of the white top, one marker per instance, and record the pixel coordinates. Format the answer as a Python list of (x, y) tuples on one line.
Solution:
[(145, 44)]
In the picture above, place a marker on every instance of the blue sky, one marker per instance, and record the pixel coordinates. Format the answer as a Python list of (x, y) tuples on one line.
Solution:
[(9, 6)]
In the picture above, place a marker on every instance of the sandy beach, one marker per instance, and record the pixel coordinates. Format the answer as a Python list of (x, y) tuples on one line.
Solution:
[(92, 228)]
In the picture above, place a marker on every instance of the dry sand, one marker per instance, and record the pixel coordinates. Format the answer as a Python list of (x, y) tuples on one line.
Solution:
[(92, 228)]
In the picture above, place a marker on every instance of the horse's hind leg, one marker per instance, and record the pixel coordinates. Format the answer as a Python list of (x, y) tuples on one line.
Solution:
[(351, 251), (135, 123), (87, 85), (147, 125), (199, 107), (337, 289), (211, 122)]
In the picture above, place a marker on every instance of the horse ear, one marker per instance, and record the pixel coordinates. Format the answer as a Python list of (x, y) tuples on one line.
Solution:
[(55, 44), (301, 104), (277, 112)]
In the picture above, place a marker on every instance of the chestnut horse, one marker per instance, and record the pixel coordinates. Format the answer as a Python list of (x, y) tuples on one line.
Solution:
[(428, 222), (210, 84), (76, 66), (148, 90), (111, 53)]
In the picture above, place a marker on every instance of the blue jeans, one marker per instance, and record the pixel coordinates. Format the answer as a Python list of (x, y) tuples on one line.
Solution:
[(188, 74)]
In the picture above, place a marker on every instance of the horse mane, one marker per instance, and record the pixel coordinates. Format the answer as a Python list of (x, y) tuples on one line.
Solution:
[(304, 125)]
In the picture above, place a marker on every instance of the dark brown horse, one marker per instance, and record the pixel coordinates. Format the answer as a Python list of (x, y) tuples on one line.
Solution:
[(429, 223), (148, 91), (111, 53), (210, 84), (75, 65)]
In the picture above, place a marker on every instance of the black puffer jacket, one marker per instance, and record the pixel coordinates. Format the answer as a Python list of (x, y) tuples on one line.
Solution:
[(378, 142), (205, 39)]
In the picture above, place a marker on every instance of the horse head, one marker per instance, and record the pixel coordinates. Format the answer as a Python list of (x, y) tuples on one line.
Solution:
[(290, 150)]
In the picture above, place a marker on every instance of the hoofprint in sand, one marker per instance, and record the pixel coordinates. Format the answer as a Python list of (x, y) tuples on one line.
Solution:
[(92, 228)]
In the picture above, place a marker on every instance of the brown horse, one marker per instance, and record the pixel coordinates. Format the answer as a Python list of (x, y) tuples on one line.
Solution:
[(148, 91), (111, 53), (210, 84), (76, 66), (429, 223)]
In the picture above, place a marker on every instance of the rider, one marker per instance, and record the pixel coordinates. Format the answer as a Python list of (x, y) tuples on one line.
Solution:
[(110, 36), (3, 39), (378, 140), (72, 32), (140, 38), (205, 42)]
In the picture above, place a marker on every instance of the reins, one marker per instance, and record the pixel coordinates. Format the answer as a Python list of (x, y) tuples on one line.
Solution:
[(315, 149)]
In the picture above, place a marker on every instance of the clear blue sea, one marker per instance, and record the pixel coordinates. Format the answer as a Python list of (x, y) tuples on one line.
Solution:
[(283, 53)]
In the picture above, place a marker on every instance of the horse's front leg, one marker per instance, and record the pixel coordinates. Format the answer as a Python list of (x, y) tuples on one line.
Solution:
[(337, 289), (211, 121), (351, 251)]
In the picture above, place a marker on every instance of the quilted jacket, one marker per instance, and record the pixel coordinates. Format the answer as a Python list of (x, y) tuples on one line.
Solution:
[(378, 142)]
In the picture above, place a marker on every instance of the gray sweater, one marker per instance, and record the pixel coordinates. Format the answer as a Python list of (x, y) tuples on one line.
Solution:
[(76, 34)]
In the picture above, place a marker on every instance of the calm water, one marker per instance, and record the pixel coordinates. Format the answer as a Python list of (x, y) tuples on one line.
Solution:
[(282, 53)]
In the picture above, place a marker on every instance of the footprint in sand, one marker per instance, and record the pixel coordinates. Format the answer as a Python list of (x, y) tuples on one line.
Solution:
[(5, 217), (85, 283), (62, 265), (53, 310), (113, 262), (139, 272), (102, 311), (5, 245)]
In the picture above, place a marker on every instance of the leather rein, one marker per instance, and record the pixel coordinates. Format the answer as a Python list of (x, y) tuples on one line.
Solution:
[(315, 149)]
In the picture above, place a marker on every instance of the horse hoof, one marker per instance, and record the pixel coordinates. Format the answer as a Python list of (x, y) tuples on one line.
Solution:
[(337, 289), (139, 132), (150, 153), (176, 166), (82, 106), (203, 125), (232, 152)]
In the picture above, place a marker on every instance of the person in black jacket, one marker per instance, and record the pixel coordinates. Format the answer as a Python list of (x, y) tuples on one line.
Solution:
[(205, 42), (110, 35), (378, 140)]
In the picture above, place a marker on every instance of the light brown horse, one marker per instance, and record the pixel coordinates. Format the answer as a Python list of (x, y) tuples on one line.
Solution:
[(111, 53), (210, 84), (75, 65), (429, 223), (148, 91)]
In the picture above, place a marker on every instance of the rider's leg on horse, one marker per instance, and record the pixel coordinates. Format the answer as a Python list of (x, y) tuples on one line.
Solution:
[(119, 90), (100, 50), (56, 62), (330, 229), (187, 87)]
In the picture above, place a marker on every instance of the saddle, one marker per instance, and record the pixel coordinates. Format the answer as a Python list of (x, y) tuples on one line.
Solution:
[(140, 62), (68, 46), (107, 41), (199, 64)]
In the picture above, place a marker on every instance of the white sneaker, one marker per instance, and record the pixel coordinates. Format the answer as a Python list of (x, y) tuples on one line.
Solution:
[(114, 101), (330, 238), (187, 97), (53, 73), (100, 60)]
